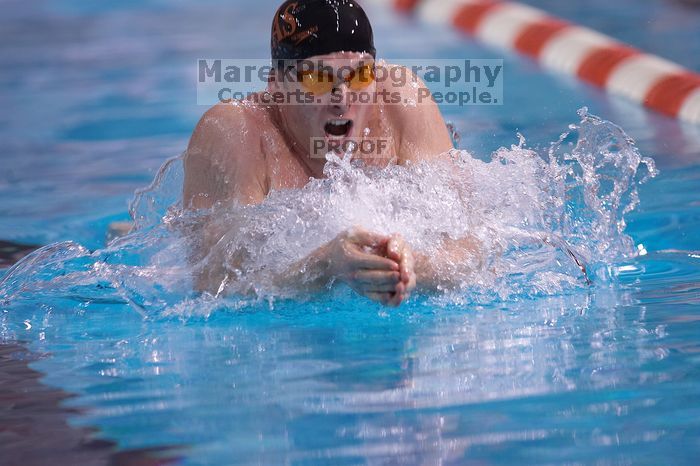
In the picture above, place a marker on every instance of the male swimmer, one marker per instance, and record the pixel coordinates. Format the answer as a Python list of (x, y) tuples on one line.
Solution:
[(324, 36)]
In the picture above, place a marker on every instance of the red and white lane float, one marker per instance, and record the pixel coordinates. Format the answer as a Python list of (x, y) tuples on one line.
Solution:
[(568, 48)]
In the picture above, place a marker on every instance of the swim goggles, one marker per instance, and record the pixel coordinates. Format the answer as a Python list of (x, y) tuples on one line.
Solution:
[(321, 82)]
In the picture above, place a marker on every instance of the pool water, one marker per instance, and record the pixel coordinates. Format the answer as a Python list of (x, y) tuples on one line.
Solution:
[(97, 97)]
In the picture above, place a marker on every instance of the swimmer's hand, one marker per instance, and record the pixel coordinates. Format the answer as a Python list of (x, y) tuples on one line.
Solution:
[(400, 251), (376, 266), (369, 263)]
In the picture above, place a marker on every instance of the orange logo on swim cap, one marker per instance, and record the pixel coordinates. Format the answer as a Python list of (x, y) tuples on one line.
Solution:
[(286, 23)]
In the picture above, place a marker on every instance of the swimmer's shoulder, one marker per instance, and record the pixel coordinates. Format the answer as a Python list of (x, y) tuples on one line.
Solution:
[(224, 131), (224, 156), (418, 125), (400, 92), (402, 79)]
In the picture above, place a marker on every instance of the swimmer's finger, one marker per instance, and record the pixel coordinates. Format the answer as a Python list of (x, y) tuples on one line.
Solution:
[(396, 299), (377, 277), (400, 252), (378, 284), (403, 290), (375, 288), (394, 248), (411, 283), (382, 298), (362, 260), (408, 275), (400, 288)]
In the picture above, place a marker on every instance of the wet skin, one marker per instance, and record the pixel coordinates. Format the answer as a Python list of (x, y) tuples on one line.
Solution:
[(279, 155)]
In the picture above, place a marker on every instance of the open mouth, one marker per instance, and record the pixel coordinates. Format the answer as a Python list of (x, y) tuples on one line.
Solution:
[(338, 128)]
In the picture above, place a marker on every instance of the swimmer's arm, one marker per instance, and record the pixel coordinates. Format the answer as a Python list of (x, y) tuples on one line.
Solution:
[(218, 170), (453, 265), (355, 257), (422, 129), (223, 161), (309, 275), (456, 263)]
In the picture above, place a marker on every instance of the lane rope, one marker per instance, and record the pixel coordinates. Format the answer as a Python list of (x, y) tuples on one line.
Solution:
[(568, 48)]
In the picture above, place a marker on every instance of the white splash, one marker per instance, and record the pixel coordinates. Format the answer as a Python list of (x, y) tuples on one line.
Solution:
[(544, 224)]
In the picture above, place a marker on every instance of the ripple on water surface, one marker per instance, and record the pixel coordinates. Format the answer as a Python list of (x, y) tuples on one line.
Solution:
[(531, 363)]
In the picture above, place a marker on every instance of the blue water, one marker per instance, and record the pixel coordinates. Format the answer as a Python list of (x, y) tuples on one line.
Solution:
[(94, 99)]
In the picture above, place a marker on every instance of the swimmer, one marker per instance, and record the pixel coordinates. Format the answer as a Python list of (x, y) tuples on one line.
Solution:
[(315, 39)]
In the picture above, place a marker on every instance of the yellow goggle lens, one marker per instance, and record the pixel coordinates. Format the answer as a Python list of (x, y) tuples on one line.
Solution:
[(361, 78), (318, 82)]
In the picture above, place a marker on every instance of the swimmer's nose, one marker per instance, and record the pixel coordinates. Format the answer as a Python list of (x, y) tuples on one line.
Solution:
[(339, 99)]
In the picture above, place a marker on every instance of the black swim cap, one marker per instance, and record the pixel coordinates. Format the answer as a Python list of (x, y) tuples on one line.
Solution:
[(305, 28)]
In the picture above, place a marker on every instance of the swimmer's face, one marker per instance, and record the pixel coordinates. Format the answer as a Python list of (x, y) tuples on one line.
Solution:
[(331, 98)]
